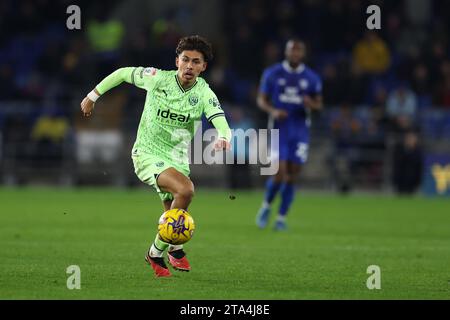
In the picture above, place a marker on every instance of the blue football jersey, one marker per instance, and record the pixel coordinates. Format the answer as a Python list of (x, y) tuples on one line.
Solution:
[(287, 87)]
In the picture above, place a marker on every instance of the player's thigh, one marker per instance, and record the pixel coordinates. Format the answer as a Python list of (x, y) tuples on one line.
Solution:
[(173, 181), (280, 153)]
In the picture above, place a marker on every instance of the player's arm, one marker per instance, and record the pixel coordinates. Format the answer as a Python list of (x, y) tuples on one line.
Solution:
[(313, 103), (263, 99), (314, 100), (264, 103), (111, 81), (138, 76), (215, 115), (222, 127)]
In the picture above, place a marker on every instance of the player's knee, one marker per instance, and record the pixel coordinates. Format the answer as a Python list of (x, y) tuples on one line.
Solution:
[(279, 177), (186, 192), (289, 178)]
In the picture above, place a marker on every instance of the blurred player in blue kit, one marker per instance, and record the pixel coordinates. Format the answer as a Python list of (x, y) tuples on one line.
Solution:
[(288, 92)]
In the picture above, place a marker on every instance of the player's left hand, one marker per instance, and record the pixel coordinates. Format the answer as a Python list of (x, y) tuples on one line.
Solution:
[(222, 144)]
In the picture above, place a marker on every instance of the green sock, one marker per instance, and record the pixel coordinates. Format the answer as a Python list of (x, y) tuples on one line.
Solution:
[(158, 247), (161, 244)]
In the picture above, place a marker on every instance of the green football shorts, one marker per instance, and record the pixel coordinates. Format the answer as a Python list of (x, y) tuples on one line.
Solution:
[(148, 167)]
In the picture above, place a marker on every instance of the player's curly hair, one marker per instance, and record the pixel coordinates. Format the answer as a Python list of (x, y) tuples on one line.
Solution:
[(197, 43)]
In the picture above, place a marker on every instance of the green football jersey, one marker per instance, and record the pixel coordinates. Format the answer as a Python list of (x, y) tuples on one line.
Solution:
[(171, 114)]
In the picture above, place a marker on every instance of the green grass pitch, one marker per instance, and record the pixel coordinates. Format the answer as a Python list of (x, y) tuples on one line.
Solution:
[(324, 255)]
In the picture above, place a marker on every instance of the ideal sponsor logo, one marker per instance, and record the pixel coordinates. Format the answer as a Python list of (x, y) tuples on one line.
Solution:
[(167, 114)]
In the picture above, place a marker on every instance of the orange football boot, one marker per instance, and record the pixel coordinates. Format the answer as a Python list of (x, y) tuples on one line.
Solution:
[(178, 260), (158, 265)]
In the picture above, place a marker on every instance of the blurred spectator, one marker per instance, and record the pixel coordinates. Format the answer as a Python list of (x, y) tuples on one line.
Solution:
[(49, 128), (418, 12), (218, 80), (244, 47), (272, 53), (371, 146), (239, 171), (356, 83), (408, 164), (333, 85), (333, 32), (434, 59), (421, 85), (100, 140), (371, 54), (16, 151), (48, 136), (8, 90), (444, 94), (380, 97), (393, 27), (105, 35), (345, 129), (401, 108), (378, 110), (353, 21)]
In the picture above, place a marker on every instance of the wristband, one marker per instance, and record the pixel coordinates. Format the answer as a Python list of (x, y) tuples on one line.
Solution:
[(93, 96)]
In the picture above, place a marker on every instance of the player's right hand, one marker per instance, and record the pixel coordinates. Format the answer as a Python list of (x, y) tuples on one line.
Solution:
[(279, 114), (222, 144), (87, 106)]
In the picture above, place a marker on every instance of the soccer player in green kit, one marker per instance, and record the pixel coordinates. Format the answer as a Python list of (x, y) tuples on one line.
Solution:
[(175, 102)]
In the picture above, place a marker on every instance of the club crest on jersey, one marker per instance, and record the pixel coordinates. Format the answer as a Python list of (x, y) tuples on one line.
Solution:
[(281, 82), (303, 84), (193, 100)]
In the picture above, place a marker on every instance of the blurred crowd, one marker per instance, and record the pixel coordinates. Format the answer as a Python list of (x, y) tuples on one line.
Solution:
[(376, 84)]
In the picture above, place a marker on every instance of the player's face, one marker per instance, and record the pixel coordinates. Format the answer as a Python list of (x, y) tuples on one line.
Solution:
[(190, 64), (295, 52)]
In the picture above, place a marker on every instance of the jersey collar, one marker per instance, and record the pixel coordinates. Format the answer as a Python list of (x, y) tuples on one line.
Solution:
[(181, 87), (288, 68)]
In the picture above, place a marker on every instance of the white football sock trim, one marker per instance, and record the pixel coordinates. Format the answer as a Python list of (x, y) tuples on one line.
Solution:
[(175, 247)]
